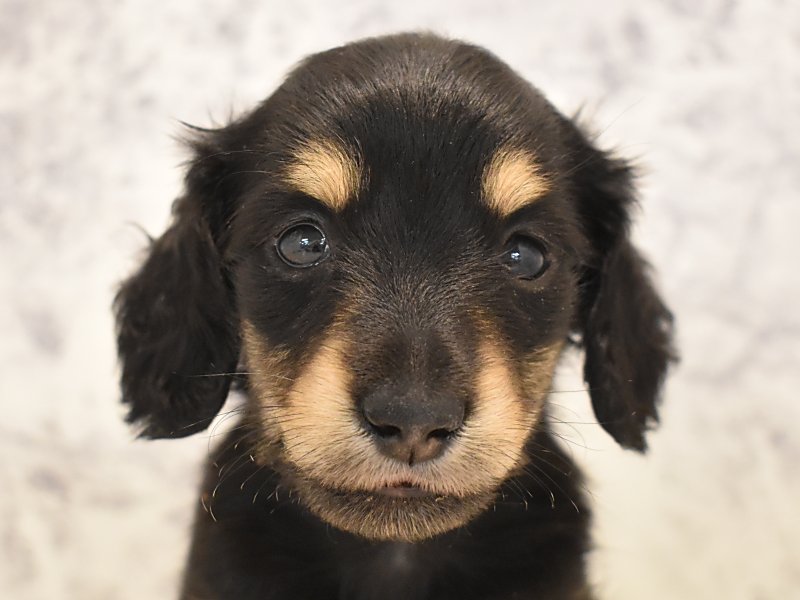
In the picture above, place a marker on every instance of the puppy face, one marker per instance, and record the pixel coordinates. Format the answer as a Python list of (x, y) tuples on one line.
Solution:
[(402, 310), (396, 245)]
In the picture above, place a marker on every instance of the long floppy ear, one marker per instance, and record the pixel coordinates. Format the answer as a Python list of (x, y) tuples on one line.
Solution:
[(176, 319), (625, 326)]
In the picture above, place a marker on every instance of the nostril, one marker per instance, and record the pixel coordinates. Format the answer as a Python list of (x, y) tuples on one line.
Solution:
[(380, 425), (442, 434), (386, 431)]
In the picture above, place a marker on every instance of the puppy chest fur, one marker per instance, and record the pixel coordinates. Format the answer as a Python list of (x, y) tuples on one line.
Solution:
[(393, 251)]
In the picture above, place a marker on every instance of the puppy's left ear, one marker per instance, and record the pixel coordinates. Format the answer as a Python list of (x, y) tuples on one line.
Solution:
[(626, 328)]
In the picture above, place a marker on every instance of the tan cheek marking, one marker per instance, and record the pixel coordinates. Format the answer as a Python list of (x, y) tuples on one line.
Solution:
[(512, 180), (323, 170), (268, 376), (319, 406), (538, 371), (500, 423), (307, 413)]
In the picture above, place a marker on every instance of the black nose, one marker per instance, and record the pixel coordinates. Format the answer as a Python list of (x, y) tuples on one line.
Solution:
[(410, 425)]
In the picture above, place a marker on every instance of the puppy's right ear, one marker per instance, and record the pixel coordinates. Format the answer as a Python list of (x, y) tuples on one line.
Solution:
[(177, 327)]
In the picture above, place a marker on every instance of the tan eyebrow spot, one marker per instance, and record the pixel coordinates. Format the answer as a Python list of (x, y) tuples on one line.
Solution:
[(511, 180), (324, 170)]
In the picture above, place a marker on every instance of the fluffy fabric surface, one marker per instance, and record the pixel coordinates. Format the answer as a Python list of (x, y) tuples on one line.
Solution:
[(705, 95)]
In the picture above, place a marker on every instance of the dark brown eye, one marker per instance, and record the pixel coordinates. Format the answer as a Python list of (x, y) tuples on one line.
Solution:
[(525, 258), (303, 246)]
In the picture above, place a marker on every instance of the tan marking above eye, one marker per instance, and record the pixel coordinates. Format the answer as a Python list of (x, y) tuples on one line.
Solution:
[(325, 170), (512, 180)]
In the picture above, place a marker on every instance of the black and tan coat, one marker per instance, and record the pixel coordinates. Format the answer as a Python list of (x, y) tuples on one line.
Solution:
[(389, 256)]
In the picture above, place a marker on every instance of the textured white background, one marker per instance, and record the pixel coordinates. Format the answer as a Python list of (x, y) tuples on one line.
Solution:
[(705, 94)]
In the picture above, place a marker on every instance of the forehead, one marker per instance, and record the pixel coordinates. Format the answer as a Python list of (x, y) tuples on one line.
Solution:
[(420, 121)]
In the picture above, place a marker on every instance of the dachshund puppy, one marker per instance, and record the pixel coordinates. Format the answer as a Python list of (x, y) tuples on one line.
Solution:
[(388, 256)]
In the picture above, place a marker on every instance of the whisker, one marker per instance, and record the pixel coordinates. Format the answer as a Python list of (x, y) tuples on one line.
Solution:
[(219, 374)]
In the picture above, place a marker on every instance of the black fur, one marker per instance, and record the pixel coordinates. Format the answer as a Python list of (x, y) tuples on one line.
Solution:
[(425, 115)]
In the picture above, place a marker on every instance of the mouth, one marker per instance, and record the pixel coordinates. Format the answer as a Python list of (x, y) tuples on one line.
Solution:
[(404, 489), (393, 511)]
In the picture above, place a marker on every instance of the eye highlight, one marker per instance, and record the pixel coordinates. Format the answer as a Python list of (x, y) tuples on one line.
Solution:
[(302, 246), (525, 257)]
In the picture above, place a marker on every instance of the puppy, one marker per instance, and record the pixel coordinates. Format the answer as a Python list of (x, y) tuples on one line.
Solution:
[(388, 256)]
